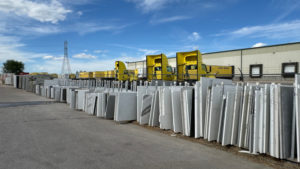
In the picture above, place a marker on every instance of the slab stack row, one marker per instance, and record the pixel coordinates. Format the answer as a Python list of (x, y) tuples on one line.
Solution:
[(260, 118)]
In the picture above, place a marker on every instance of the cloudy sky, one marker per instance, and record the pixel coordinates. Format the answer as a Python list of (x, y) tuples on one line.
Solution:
[(102, 31)]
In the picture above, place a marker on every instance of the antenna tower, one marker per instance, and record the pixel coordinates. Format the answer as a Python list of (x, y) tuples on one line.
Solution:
[(66, 69)]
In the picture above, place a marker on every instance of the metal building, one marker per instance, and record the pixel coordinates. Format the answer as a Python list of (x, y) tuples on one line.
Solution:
[(268, 63)]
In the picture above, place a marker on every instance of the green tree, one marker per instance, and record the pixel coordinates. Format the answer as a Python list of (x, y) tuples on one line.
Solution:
[(12, 66)]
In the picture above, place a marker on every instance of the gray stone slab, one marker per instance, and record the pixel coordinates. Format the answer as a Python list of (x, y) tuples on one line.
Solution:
[(257, 129), (57, 94), (176, 109), (73, 99), (249, 116), (110, 107), (207, 112), (286, 116), (242, 122), (266, 119), (63, 95), (125, 107)]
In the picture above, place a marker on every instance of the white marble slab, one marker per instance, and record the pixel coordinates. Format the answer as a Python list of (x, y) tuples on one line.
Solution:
[(165, 107), (125, 107)]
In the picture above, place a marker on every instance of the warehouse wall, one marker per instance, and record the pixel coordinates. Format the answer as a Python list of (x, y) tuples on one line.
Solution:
[(271, 58)]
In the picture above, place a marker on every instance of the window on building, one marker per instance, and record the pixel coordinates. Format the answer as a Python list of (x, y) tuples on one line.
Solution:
[(289, 69), (256, 71)]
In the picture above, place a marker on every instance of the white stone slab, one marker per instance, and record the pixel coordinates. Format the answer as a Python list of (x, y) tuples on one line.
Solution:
[(236, 114), (215, 110), (154, 111), (80, 98), (146, 108), (186, 101), (101, 104), (165, 113), (297, 114), (228, 117)]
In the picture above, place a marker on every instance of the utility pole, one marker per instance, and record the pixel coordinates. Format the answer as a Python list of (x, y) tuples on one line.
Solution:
[(66, 69)]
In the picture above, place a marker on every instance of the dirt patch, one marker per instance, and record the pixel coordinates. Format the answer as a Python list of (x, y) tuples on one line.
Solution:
[(261, 158)]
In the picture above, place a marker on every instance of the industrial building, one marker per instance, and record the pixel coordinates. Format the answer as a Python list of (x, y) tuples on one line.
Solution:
[(276, 63)]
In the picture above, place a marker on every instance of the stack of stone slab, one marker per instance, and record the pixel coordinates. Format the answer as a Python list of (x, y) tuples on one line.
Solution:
[(202, 88)]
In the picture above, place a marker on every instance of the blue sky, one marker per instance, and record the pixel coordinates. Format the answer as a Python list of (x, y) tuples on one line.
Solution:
[(102, 31)]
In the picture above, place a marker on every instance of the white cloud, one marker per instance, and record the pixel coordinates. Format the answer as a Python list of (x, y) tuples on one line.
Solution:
[(52, 11), (150, 5), (84, 56), (272, 31), (194, 36), (148, 51), (100, 51), (90, 27), (54, 66), (48, 57), (259, 44), (169, 19), (79, 13)]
